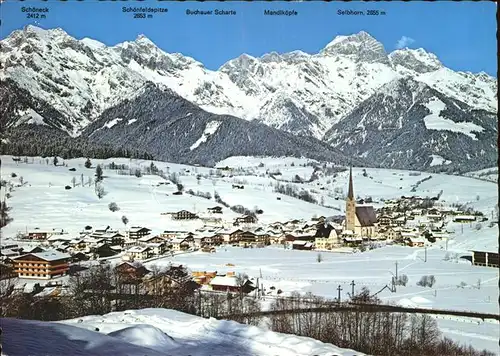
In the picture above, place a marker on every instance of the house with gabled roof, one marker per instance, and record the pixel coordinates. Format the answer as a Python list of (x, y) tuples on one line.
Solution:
[(42, 265), (136, 232), (139, 252)]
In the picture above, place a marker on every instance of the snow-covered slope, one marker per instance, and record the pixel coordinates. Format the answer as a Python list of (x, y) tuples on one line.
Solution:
[(153, 332), (298, 92), (408, 124)]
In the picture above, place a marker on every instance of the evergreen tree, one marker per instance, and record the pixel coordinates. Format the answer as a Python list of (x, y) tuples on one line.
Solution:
[(88, 164), (55, 161), (98, 173)]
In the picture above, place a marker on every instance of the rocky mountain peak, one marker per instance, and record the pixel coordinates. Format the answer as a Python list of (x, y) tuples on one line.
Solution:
[(418, 60), (142, 40), (360, 46), (271, 57)]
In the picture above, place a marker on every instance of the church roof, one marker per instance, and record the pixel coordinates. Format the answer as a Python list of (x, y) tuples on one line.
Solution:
[(366, 215)]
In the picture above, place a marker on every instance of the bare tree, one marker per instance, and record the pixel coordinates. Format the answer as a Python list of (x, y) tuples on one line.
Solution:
[(81, 180), (319, 257), (21, 180), (241, 280), (90, 181), (73, 181)]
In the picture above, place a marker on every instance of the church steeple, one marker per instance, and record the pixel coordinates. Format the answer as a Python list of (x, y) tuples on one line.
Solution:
[(350, 193), (350, 206)]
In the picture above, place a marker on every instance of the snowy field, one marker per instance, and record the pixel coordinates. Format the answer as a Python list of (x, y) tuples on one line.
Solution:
[(490, 174), (43, 202), (456, 285), (142, 200), (153, 332)]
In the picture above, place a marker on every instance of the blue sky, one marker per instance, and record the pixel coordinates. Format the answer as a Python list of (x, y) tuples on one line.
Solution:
[(461, 34)]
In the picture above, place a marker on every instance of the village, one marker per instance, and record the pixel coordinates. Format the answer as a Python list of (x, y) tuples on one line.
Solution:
[(410, 221)]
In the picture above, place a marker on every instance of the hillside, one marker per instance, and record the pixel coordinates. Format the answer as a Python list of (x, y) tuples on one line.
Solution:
[(153, 332), (142, 199), (173, 129), (408, 125)]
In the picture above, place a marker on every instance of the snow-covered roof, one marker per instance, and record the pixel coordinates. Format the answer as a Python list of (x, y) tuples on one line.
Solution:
[(49, 255), (138, 249), (224, 281), (8, 252), (156, 244), (146, 238), (60, 237), (138, 228), (465, 217)]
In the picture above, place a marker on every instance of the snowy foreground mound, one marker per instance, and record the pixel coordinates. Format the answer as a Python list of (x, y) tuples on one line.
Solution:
[(153, 332)]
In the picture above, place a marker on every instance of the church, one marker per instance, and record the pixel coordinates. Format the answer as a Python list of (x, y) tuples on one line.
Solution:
[(360, 220)]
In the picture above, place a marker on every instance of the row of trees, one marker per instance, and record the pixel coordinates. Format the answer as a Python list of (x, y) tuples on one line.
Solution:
[(373, 333), (4, 214), (292, 191), (103, 289), (48, 142)]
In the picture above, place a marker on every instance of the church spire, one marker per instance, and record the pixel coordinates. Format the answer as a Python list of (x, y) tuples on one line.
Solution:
[(350, 193)]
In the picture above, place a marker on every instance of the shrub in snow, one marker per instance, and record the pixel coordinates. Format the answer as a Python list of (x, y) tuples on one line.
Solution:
[(422, 282), (13, 175), (478, 226), (99, 190), (113, 207), (138, 173), (427, 281), (402, 280), (67, 187), (88, 164)]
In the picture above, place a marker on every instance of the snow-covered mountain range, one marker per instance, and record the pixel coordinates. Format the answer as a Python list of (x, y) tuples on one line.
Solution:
[(296, 91), (70, 83)]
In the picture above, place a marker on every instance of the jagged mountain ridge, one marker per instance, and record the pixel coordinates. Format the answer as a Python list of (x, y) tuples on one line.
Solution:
[(160, 122), (297, 92), (409, 125)]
